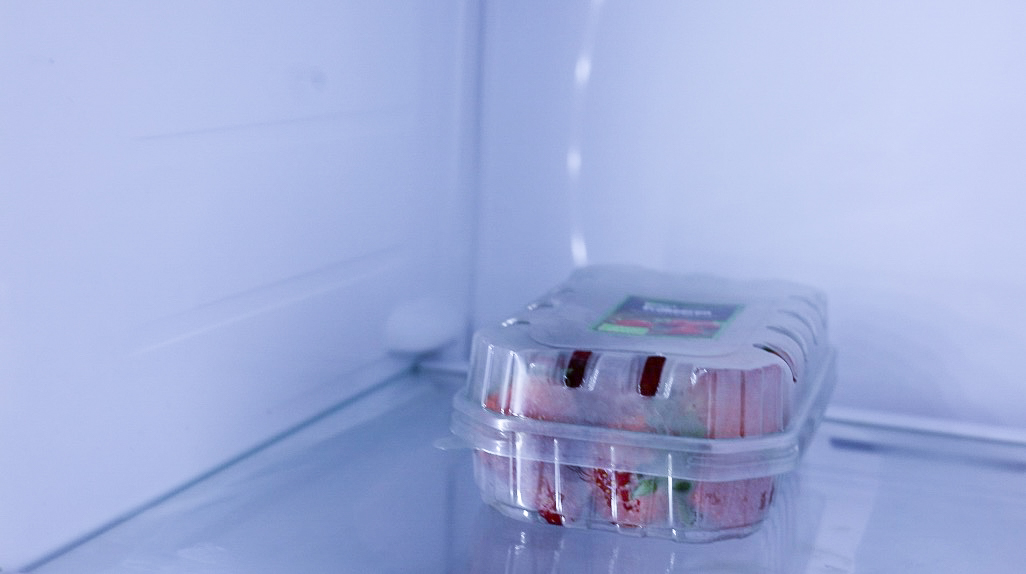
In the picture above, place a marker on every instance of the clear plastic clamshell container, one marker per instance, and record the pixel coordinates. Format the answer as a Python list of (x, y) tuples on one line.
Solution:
[(647, 403)]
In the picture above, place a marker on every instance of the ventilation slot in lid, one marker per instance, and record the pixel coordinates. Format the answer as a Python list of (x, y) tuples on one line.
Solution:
[(783, 355), (575, 367), (648, 385)]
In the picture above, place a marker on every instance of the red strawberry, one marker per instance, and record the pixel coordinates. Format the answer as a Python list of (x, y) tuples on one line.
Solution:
[(627, 412), (557, 493), (545, 402), (493, 403), (540, 391), (558, 498), (630, 499), (734, 404), (731, 504), (565, 504), (540, 402)]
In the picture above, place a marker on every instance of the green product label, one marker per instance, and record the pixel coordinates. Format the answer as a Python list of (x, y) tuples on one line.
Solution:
[(654, 317)]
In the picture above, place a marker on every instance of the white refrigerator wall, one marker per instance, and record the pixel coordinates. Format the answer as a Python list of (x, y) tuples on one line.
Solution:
[(874, 149), (216, 219)]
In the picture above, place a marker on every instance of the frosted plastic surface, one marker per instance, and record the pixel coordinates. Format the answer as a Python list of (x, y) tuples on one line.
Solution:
[(660, 404)]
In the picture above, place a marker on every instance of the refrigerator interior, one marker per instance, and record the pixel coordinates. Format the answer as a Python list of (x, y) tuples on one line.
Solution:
[(239, 242)]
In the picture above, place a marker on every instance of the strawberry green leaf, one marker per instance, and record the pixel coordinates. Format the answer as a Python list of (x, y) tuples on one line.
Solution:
[(645, 487), (685, 512), (682, 486)]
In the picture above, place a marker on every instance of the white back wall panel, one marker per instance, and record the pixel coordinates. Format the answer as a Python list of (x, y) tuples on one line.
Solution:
[(872, 149), (208, 213)]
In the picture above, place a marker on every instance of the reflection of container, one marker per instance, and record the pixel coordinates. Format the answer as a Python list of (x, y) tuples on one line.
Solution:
[(647, 403)]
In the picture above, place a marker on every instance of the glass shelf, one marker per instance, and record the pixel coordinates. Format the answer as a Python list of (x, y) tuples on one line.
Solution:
[(363, 489)]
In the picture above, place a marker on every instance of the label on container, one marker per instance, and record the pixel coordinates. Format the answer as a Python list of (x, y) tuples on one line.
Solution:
[(654, 317)]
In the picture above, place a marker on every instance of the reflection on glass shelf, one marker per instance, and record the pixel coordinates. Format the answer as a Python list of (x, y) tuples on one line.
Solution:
[(510, 546), (363, 489), (917, 501)]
